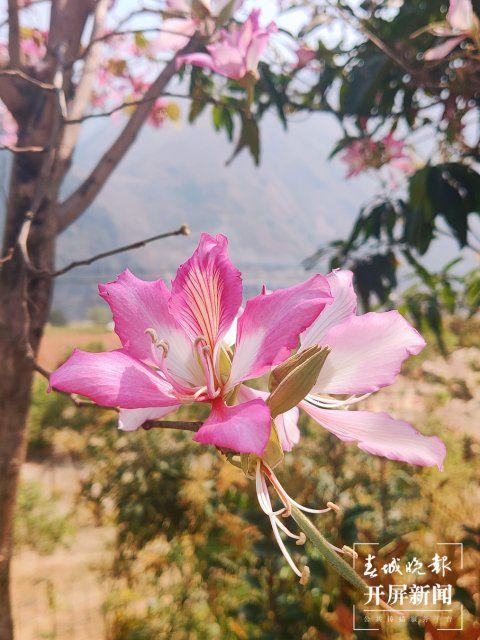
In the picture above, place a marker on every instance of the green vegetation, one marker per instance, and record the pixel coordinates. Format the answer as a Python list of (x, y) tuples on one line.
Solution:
[(38, 523)]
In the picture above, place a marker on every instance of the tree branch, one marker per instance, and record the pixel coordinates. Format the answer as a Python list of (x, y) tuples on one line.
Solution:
[(165, 94), (84, 87), (85, 194), (24, 76), (15, 149), (13, 33), (8, 256), (171, 424), (182, 231)]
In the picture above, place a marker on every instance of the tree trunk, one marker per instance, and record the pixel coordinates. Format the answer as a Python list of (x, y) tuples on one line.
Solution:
[(24, 308)]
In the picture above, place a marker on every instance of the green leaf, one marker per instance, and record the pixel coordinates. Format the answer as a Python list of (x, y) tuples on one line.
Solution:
[(249, 138), (359, 90)]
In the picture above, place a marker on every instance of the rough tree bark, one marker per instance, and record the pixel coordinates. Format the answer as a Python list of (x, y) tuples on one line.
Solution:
[(24, 308), (25, 293)]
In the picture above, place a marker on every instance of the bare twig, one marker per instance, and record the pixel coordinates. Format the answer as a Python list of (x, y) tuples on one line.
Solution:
[(8, 256), (84, 87), (47, 163), (172, 424), (15, 149), (165, 94), (76, 203), (13, 33), (360, 24), (47, 86), (25, 6), (182, 231), (105, 114)]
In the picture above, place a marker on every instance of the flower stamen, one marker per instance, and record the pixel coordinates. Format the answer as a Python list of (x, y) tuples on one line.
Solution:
[(324, 402)]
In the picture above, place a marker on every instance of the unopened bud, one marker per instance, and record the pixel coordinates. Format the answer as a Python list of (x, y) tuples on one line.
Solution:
[(291, 382)]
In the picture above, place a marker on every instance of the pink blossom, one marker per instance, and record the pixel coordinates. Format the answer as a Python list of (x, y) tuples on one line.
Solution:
[(33, 46), (158, 113), (304, 56), (174, 352), (357, 156), (367, 352), (237, 52), (365, 153), (461, 24)]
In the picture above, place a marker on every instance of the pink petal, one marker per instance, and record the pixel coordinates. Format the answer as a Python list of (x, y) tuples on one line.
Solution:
[(179, 6), (442, 50), (269, 327), (138, 305), (132, 419), (461, 16), (380, 434), (112, 379), (207, 291), (343, 306), (197, 59), (286, 424), (228, 60), (367, 352), (244, 428), (175, 35)]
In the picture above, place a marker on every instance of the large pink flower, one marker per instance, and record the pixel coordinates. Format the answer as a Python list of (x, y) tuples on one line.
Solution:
[(461, 24), (174, 350), (237, 52), (367, 352)]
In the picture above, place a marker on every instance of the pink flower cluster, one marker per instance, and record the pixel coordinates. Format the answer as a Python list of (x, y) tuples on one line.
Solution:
[(364, 153)]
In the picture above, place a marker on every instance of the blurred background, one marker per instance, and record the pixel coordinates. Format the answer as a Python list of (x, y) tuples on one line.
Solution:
[(139, 536)]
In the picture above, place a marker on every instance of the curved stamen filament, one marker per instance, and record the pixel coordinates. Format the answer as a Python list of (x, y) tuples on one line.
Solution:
[(264, 472), (204, 353), (323, 402), (285, 498), (266, 505)]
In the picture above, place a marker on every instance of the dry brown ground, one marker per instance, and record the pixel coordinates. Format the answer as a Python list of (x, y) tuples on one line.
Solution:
[(60, 596), (58, 343)]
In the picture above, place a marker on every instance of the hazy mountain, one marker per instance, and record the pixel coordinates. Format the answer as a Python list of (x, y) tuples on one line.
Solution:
[(274, 215)]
